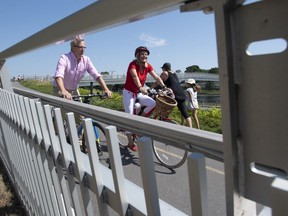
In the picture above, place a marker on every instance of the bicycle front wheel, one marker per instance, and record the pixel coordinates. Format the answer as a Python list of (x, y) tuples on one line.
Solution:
[(122, 137), (101, 141), (168, 155)]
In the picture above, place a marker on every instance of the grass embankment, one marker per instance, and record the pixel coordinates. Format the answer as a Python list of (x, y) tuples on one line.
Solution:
[(210, 119)]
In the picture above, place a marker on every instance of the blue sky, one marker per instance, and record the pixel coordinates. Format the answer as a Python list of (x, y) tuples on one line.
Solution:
[(183, 39)]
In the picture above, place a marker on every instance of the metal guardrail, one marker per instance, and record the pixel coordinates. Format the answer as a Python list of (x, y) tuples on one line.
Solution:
[(42, 156)]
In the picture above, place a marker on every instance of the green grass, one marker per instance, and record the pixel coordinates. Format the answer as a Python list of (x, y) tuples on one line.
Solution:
[(41, 86), (210, 119)]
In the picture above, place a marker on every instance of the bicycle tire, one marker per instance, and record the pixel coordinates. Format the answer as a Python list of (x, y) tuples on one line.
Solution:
[(122, 138), (168, 155), (101, 141)]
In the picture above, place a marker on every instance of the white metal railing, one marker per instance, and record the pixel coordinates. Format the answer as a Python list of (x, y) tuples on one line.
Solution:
[(37, 158)]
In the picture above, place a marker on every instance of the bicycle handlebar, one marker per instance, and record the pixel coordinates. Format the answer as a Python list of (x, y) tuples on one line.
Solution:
[(92, 94), (153, 92), (87, 97)]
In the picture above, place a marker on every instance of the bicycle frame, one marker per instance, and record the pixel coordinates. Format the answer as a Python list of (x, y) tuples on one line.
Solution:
[(165, 154), (96, 126), (80, 129)]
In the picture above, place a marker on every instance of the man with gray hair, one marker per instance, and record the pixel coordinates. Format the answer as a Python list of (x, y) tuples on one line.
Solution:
[(71, 68)]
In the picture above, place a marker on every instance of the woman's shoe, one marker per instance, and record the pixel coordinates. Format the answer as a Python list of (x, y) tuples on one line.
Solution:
[(133, 147)]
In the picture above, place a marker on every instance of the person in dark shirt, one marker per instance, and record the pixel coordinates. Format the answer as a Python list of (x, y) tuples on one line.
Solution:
[(171, 81)]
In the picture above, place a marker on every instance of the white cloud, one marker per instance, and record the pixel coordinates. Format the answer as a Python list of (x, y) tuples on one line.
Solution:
[(152, 41)]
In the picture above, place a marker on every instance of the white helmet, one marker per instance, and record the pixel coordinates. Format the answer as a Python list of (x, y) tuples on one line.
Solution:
[(190, 81)]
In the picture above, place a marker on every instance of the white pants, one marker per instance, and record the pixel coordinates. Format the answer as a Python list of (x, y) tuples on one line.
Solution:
[(129, 99)]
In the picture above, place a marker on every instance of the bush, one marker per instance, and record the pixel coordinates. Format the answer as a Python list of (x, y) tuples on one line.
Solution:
[(210, 120)]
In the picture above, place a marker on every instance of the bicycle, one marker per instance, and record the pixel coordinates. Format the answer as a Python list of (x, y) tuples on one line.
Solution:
[(100, 136), (168, 155), (101, 141)]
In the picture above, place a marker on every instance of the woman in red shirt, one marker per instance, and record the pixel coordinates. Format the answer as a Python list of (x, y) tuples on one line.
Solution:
[(134, 86)]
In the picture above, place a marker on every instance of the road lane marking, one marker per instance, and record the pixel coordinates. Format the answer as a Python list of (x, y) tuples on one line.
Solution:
[(215, 170)]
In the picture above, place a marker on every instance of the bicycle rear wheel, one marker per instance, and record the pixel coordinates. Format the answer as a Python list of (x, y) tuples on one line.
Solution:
[(168, 155)]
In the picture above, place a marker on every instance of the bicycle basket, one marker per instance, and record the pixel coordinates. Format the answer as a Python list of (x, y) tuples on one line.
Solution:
[(164, 105)]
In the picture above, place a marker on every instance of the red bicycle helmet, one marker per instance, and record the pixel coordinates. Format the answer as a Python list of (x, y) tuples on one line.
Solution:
[(141, 48)]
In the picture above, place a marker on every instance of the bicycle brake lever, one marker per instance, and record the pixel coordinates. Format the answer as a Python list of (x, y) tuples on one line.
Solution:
[(104, 96)]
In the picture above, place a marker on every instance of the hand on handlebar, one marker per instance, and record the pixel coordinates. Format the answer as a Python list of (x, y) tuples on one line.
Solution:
[(66, 94), (108, 93), (143, 90), (165, 88), (103, 96)]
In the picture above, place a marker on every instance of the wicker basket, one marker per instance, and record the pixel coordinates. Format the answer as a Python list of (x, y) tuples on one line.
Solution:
[(164, 105)]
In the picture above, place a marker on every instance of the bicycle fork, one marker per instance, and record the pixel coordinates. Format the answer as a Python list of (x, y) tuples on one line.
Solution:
[(97, 137), (79, 131)]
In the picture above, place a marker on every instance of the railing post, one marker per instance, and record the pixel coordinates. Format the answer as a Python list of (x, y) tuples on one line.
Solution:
[(67, 158), (198, 184), (117, 169), (148, 176)]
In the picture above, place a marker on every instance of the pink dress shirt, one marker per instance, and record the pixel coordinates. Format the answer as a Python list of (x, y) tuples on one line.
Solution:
[(73, 71)]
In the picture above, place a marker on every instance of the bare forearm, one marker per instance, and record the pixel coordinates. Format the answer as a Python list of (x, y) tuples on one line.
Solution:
[(136, 81), (60, 83), (63, 90), (103, 85), (160, 81)]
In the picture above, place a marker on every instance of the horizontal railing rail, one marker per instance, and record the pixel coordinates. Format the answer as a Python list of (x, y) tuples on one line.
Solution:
[(96, 19)]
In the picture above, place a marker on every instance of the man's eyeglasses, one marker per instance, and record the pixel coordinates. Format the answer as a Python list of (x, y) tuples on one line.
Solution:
[(80, 47)]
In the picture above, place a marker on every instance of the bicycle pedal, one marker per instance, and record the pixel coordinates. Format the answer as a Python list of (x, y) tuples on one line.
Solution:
[(99, 149)]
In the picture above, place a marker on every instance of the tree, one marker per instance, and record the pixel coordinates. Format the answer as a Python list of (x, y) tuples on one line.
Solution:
[(196, 68), (193, 68), (105, 73), (214, 70), (178, 71)]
